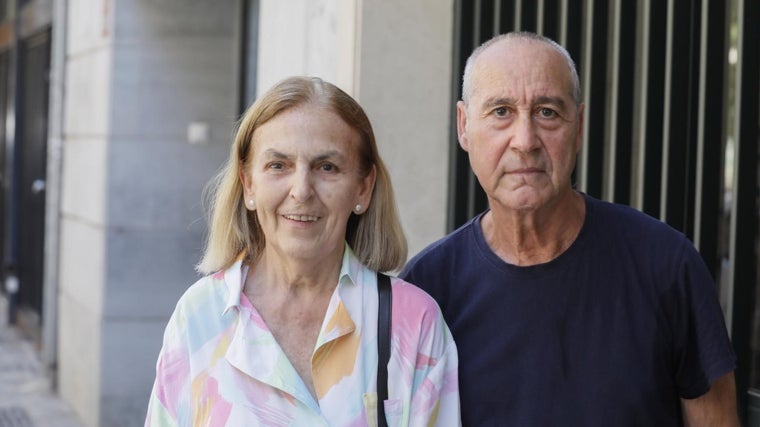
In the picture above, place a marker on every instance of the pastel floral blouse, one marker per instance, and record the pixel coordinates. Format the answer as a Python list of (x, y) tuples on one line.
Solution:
[(221, 366)]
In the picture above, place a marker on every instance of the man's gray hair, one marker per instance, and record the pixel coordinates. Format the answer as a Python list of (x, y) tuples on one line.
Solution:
[(519, 35)]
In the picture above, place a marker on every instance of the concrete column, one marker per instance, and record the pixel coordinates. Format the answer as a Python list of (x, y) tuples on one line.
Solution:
[(83, 214)]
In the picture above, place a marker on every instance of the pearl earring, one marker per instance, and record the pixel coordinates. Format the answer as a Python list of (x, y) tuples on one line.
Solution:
[(251, 202), (358, 208)]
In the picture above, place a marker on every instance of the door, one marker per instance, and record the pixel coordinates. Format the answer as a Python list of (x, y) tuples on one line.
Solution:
[(32, 157), (4, 178)]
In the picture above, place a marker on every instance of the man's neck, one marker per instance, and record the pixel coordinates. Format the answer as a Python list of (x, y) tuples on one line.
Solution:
[(534, 237)]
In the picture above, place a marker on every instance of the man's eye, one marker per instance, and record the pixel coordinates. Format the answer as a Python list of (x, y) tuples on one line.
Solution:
[(547, 113), (327, 167), (501, 111)]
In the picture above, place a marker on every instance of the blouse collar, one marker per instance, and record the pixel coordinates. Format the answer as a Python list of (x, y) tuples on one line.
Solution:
[(234, 276)]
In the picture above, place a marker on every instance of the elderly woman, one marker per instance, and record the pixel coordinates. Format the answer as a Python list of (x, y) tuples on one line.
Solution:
[(285, 330)]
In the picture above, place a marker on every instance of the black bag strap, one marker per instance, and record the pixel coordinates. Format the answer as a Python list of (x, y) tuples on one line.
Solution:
[(383, 343)]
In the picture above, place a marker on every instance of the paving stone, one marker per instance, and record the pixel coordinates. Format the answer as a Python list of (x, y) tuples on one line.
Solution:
[(14, 416), (26, 396)]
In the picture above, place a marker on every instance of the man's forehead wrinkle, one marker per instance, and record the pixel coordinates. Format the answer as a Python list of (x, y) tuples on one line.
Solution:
[(493, 101), (522, 96), (529, 92)]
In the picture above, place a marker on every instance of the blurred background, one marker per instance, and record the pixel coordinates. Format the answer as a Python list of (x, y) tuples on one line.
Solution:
[(114, 114)]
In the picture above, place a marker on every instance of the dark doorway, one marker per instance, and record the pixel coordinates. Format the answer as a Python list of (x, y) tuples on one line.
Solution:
[(34, 66), (4, 178)]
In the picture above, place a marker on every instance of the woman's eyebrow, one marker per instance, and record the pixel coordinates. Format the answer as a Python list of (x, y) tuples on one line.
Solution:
[(329, 155), (270, 152)]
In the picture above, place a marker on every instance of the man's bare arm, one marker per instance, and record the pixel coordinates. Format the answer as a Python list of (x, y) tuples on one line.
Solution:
[(716, 408)]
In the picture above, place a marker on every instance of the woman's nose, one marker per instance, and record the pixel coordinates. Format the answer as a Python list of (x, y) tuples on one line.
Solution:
[(301, 187)]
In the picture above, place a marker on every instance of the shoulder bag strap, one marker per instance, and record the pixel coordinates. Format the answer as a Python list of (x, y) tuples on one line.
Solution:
[(383, 343)]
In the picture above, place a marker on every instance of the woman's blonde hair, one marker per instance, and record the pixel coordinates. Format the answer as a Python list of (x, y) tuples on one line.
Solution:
[(234, 232)]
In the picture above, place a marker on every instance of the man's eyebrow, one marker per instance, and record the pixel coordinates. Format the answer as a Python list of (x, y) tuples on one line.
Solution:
[(501, 100), (497, 100), (552, 100)]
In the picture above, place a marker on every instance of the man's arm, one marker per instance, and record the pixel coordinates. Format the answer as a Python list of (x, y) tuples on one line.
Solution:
[(715, 408)]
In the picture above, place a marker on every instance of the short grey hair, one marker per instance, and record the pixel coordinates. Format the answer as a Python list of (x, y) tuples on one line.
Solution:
[(519, 35)]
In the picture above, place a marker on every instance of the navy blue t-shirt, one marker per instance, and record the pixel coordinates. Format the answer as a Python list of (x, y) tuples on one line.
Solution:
[(610, 333)]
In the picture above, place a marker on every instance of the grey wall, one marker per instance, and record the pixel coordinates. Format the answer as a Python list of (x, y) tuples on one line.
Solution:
[(138, 74)]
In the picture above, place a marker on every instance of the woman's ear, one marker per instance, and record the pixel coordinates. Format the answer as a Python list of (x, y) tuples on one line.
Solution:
[(367, 185), (248, 194)]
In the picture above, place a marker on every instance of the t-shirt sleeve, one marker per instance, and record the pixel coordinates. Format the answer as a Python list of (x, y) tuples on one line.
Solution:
[(702, 348)]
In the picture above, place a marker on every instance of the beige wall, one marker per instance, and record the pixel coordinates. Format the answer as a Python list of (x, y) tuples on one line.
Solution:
[(394, 56), (404, 80), (307, 37)]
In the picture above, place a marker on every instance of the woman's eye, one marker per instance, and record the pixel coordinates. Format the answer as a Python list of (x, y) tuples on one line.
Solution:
[(275, 165)]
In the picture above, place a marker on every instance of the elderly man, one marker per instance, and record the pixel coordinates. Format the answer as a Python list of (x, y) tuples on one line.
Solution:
[(566, 310)]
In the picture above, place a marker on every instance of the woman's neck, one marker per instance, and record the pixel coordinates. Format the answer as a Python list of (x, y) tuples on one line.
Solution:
[(272, 272)]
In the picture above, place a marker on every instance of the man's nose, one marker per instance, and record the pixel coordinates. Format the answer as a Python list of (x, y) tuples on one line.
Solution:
[(524, 137)]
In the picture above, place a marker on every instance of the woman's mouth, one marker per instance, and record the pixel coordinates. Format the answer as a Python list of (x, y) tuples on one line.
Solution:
[(301, 218)]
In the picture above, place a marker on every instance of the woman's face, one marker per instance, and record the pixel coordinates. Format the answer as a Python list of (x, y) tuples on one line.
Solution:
[(304, 177)]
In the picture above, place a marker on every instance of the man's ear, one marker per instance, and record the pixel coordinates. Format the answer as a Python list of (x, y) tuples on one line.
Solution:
[(462, 125), (579, 136)]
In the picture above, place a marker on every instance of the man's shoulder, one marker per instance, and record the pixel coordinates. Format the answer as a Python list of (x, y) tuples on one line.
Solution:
[(444, 261), (442, 249), (627, 218), (614, 227)]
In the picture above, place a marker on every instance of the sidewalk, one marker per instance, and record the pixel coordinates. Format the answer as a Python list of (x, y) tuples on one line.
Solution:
[(25, 396)]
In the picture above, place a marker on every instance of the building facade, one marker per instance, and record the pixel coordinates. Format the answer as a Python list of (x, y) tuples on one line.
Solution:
[(118, 112), (143, 99)]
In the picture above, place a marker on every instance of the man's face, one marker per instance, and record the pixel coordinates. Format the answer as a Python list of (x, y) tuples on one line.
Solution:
[(521, 127)]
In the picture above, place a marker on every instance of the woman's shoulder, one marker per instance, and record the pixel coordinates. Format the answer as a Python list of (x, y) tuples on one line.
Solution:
[(205, 285), (410, 300), (206, 293), (406, 290), (417, 318)]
